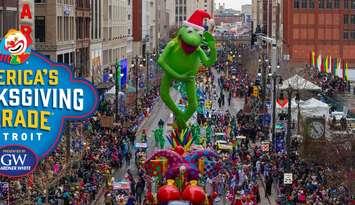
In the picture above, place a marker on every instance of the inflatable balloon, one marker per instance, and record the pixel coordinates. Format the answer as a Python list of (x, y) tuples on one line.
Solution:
[(180, 150), (190, 173), (193, 193), (181, 60), (168, 192)]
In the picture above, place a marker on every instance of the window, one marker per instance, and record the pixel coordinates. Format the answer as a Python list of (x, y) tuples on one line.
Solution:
[(60, 58), (346, 4), (346, 35), (40, 1), (311, 4), (66, 58), (353, 4), (304, 4), (336, 4), (352, 19), (352, 35), (129, 2), (329, 4), (346, 19), (40, 28), (296, 4), (321, 4), (129, 16)]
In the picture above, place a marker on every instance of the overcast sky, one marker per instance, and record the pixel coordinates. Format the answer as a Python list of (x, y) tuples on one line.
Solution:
[(235, 4)]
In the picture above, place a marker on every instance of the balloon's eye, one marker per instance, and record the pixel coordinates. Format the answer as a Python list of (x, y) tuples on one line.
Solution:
[(189, 30)]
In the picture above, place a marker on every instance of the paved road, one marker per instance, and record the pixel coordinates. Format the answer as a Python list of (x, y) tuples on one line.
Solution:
[(160, 111)]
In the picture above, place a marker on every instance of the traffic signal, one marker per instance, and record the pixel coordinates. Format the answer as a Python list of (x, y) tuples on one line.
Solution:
[(255, 91)]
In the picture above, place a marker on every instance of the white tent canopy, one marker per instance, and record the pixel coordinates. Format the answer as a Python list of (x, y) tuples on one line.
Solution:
[(314, 107), (309, 108), (299, 83)]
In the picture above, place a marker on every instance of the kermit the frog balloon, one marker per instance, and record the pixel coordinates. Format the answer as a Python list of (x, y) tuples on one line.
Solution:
[(181, 60)]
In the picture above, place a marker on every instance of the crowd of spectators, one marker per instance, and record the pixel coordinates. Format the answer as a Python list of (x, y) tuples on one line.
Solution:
[(95, 152)]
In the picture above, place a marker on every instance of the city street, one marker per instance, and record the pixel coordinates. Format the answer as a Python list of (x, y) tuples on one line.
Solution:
[(177, 102), (160, 111)]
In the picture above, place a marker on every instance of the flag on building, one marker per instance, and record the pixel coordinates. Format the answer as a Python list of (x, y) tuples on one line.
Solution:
[(326, 65), (319, 63), (313, 60), (335, 64), (340, 70), (346, 72), (330, 65)]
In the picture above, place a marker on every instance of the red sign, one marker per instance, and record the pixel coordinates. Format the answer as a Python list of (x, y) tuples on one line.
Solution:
[(282, 102)]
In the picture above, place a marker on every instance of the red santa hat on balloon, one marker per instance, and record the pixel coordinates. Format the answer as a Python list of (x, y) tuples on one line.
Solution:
[(196, 19)]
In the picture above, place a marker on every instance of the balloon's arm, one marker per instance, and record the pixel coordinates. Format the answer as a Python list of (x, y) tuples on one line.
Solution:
[(164, 65), (208, 61), (211, 43)]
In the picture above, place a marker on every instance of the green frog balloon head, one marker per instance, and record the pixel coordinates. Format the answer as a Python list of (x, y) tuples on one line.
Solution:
[(181, 60)]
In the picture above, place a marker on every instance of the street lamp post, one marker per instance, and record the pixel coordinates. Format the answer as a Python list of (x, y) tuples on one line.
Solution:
[(275, 77), (136, 63), (290, 92), (263, 79)]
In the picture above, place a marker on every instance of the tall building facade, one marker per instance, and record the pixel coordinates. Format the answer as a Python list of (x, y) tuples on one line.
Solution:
[(162, 22), (184, 8), (327, 27), (82, 41), (96, 41), (55, 33), (8, 15), (257, 14), (149, 39), (116, 40)]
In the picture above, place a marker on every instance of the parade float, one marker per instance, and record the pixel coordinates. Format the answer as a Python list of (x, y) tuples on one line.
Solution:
[(179, 170)]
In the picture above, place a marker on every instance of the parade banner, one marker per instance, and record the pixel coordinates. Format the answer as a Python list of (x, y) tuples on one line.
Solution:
[(36, 97)]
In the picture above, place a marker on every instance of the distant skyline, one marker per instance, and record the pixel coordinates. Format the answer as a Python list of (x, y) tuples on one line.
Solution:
[(234, 4)]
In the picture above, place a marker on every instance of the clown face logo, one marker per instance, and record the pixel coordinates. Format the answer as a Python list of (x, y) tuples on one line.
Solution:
[(15, 42)]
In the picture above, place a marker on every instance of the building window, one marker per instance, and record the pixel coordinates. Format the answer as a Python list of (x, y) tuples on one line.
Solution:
[(352, 19), (311, 4), (346, 19), (40, 28), (129, 16), (304, 4), (40, 1), (336, 4), (329, 4), (321, 4), (353, 4), (352, 35), (346, 35), (296, 4), (129, 2), (346, 4), (60, 58)]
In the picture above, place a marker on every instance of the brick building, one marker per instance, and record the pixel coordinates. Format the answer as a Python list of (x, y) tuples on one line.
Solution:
[(227, 19), (327, 27)]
